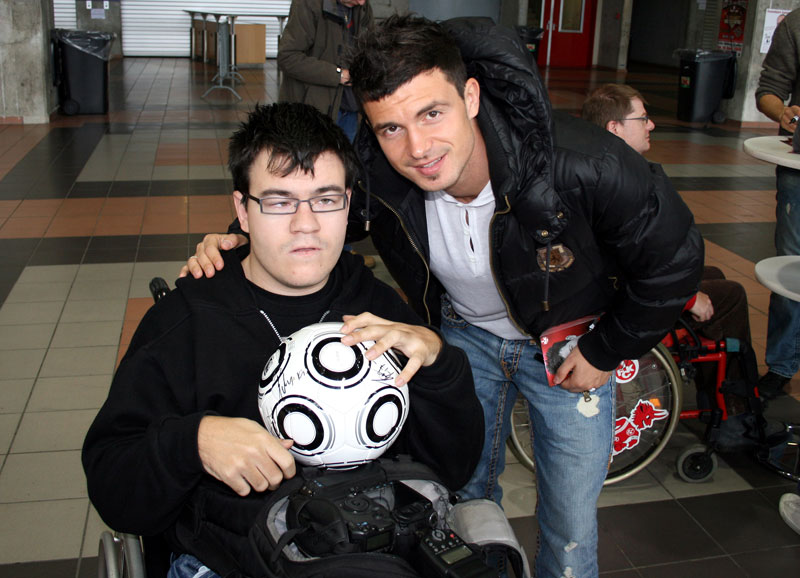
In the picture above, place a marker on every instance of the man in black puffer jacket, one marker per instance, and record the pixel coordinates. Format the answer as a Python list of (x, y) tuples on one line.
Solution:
[(499, 221)]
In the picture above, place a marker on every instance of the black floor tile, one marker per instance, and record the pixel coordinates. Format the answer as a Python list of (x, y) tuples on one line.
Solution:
[(729, 519), (50, 569), (89, 189), (129, 189), (209, 187), (169, 188), (54, 243), (751, 241), (88, 568), (773, 563), (656, 533), (110, 255), (527, 530), (757, 475), (115, 242), (719, 567), (155, 254), (57, 257), (181, 240), (773, 493), (16, 251)]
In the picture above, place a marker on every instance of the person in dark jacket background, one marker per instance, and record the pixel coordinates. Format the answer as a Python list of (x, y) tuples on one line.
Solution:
[(182, 410), (311, 56), (778, 97), (500, 220)]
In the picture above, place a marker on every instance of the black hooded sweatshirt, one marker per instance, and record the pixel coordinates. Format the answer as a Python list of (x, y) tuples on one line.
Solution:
[(200, 351)]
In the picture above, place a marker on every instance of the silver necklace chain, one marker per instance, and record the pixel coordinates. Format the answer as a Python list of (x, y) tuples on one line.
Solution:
[(275, 329)]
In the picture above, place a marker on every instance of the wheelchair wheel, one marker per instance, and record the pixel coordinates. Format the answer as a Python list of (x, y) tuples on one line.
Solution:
[(519, 442), (120, 556), (648, 409), (696, 464)]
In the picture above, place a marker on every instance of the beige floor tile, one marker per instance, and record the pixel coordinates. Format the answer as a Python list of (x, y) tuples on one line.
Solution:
[(62, 393), (86, 334), (19, 313), (639, 488), (42, 476), (51, 431), (20, 363), (73, 361), (94, 290), (519, 491), (91, 538), (104, 272), (51, 530), (33, 292), (665, 471), (14, 394), (206, 172), (99, 310), (8, 427), (170, 173), (48, 273), (30, 336)]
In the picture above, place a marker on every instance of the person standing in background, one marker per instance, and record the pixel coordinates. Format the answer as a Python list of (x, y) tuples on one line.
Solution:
[(311, 53), (780, 83)]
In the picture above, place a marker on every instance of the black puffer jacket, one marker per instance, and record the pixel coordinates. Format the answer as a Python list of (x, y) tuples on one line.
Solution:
[(617, 236)]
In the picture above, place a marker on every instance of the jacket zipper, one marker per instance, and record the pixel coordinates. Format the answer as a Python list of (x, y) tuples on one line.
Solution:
[(491, 266), (418, 252)]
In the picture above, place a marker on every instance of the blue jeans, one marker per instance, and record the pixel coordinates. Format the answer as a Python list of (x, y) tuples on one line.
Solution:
[(187, 566), (571, 450), (783, 325)]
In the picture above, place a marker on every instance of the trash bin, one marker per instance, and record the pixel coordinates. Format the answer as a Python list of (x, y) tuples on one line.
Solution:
[(80, 70), (706, 77), (531, 37)]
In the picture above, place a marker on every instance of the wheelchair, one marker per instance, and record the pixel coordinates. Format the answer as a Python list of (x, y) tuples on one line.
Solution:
[(649, 406)]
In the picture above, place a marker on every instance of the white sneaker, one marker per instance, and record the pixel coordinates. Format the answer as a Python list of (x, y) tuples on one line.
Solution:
[(789, 507)]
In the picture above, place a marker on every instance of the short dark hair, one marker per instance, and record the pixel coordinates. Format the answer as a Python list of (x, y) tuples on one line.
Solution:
[(388, 56), (295, 135), (610, 102)]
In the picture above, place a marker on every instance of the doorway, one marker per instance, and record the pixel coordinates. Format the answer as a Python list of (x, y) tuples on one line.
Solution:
[(568, 37)]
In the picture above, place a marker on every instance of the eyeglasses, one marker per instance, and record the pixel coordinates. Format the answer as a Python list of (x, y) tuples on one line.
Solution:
[(645, 119), (328, 203)]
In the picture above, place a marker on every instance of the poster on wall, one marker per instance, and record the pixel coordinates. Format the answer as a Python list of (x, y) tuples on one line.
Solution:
[(771, 21), (731, 25)]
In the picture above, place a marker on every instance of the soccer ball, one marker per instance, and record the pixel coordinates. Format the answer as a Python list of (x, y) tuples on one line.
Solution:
[(340, 408)]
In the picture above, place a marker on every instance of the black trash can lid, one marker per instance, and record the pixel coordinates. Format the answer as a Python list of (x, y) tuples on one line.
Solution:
[(699, 55), (89, 41)]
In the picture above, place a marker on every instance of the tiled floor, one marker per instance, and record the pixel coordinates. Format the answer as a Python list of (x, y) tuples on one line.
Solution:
[(91, 208)]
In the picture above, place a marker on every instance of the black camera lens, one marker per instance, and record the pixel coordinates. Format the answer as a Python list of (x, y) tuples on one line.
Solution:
[(356, 504)]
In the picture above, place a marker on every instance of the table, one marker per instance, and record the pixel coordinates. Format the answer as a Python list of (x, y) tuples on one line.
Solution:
[(773, 149), (226, 43), (780, 275)]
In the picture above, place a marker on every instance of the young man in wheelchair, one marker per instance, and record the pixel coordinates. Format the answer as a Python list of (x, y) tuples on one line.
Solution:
[(182, 408)]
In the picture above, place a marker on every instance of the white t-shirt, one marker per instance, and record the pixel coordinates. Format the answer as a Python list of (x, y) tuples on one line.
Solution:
[(459, 241)]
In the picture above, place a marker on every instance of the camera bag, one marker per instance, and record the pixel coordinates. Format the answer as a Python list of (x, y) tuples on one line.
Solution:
[(249, 536)]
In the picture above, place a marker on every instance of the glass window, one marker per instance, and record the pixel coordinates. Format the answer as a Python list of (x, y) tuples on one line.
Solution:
[(571, 16)]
